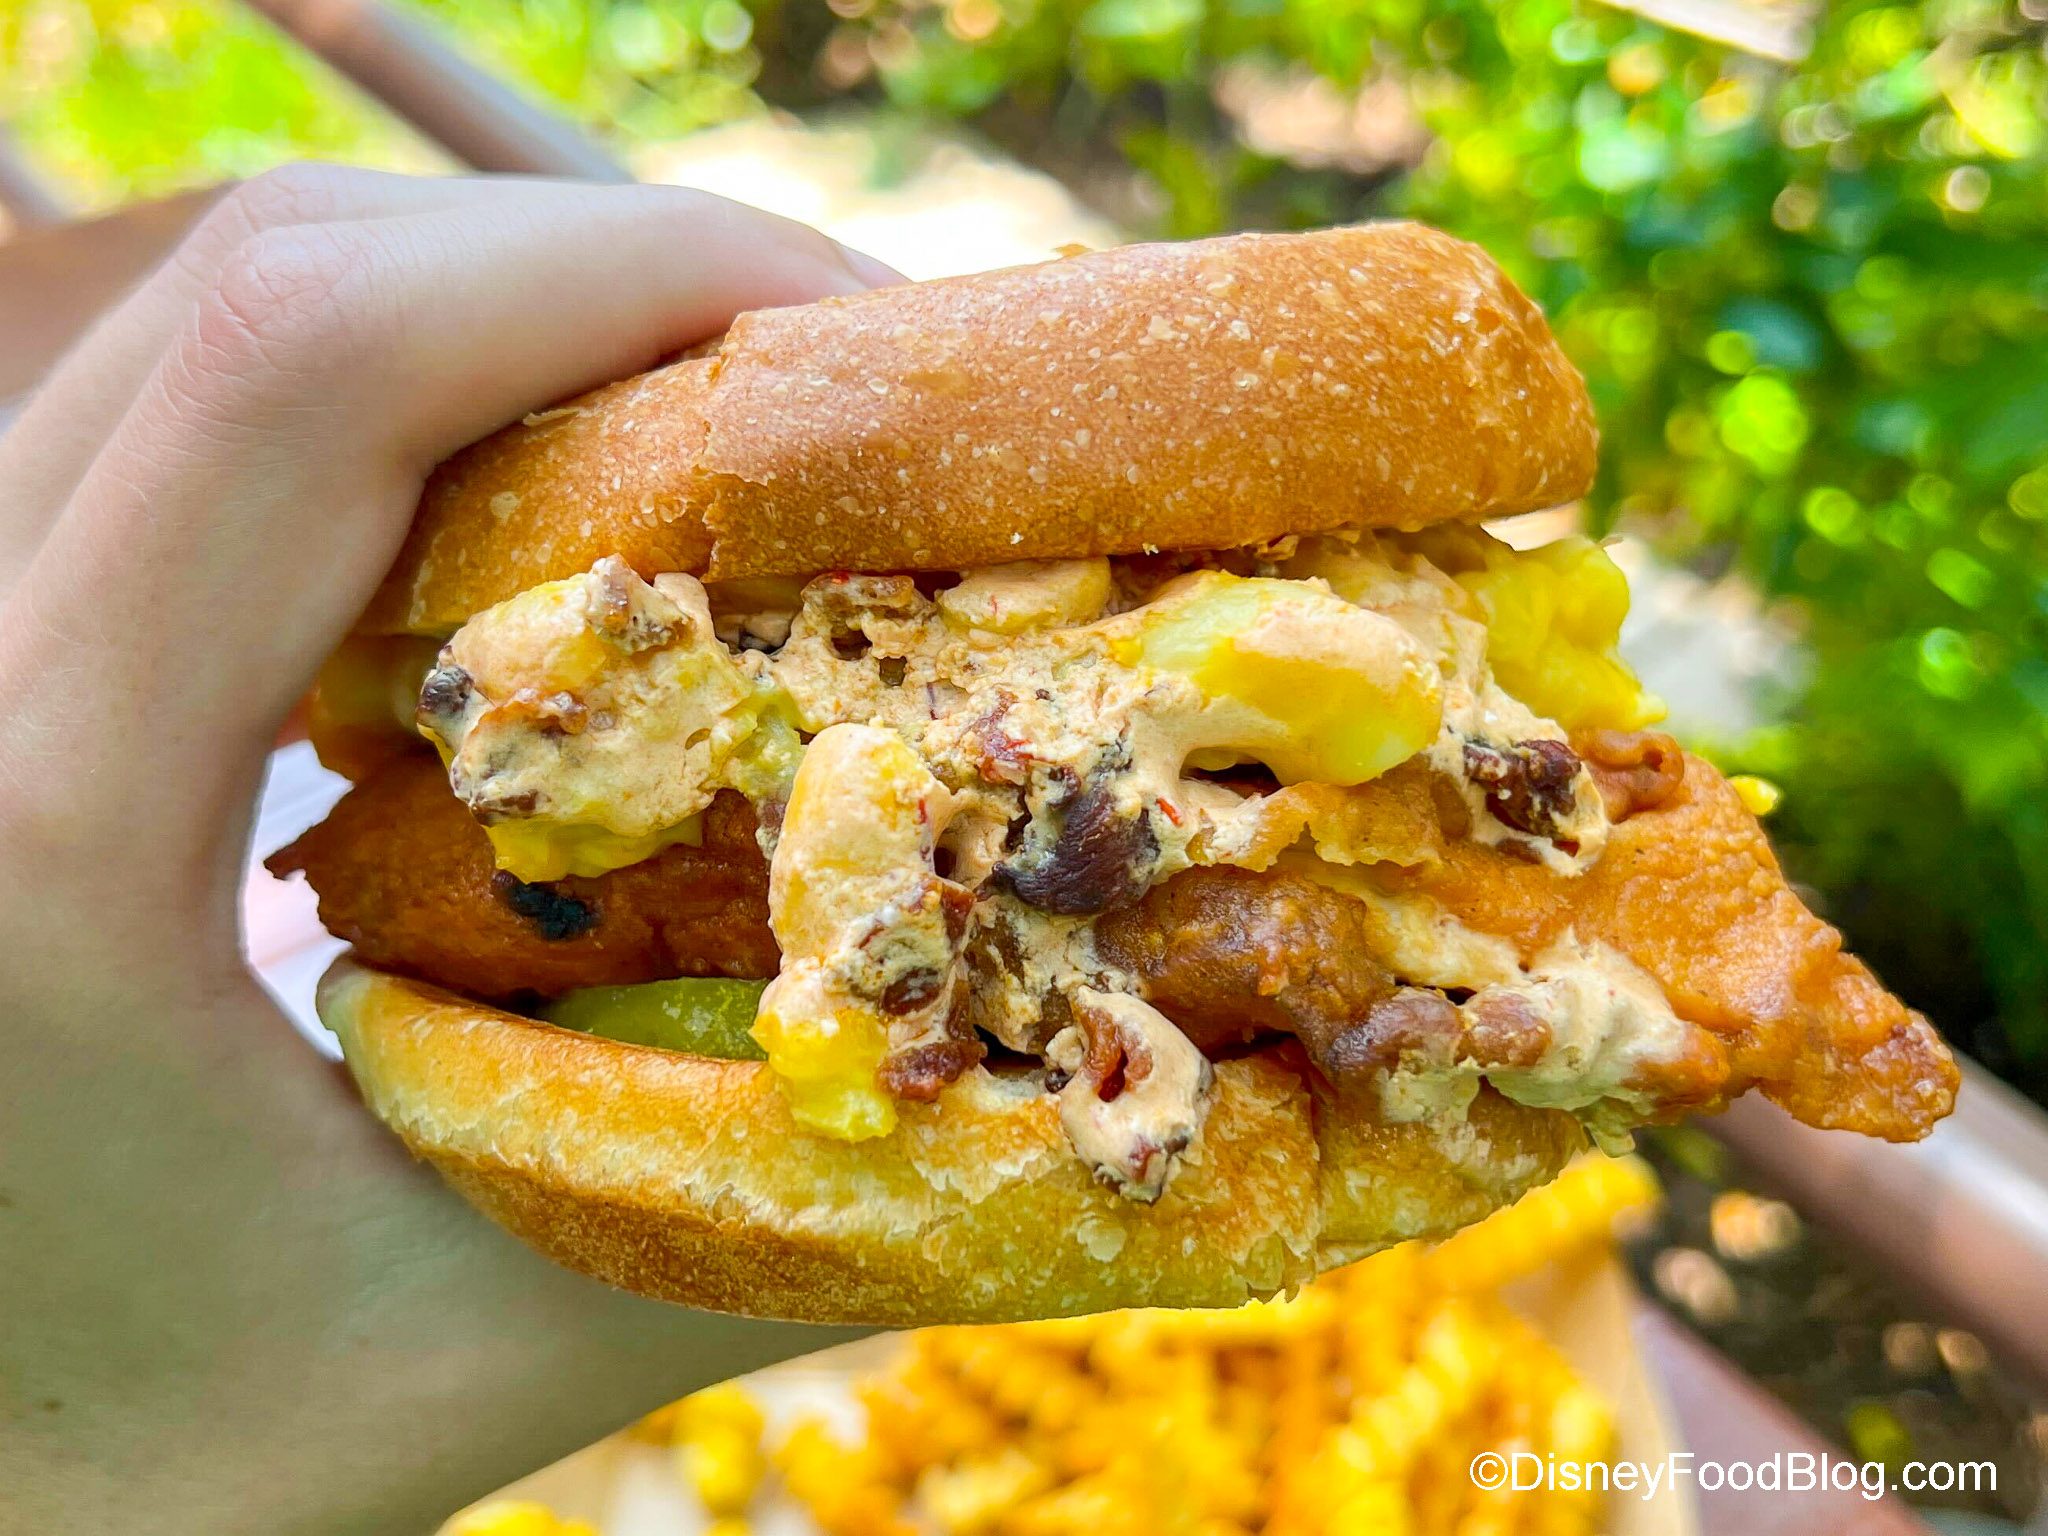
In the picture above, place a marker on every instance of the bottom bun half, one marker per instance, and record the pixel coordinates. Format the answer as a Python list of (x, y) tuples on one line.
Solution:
[(684, 1178)]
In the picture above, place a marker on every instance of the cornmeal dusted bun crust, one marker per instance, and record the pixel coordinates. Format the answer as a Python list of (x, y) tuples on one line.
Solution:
[(1188, 395), (613, 472), (684, 1178)]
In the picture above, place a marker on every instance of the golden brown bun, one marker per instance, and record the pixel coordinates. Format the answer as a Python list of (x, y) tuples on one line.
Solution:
[(606, 474), (1217, 392), (1199, 395), (684, 1178)]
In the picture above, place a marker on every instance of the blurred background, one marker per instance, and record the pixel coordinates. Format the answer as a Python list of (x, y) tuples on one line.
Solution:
[(1801, 254)]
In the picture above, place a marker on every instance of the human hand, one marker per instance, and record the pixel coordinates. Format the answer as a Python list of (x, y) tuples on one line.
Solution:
[(192, 511), (203, 497)]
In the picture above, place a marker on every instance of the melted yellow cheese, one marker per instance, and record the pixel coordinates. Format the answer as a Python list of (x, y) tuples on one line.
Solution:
[(857, 838), (1026, 595), (1759, 797), (1553, 620), (530, 849), (599, 715), (827, 1065), (1339, 694), (761, 761)]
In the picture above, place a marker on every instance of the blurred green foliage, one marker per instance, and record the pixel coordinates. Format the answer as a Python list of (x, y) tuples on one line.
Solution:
[(1812, 302), (123, 100), (635, 72), (1811, 298), (135, 98)]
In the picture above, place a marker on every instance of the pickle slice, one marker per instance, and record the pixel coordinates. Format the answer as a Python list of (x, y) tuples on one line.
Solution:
[(704, 1016)]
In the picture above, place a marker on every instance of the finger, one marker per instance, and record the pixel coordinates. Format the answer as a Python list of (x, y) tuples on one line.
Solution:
[(74, 412), (258, 487), (71, 416)]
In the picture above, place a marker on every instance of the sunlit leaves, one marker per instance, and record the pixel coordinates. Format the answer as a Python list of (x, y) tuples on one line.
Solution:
[(1961, 576), (1761, 419), (128, 98)]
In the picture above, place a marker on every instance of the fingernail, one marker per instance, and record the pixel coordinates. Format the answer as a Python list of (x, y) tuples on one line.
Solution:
[(872, 273)]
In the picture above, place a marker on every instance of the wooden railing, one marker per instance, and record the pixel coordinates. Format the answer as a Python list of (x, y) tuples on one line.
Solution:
[(1962, 1217), (471, 113)]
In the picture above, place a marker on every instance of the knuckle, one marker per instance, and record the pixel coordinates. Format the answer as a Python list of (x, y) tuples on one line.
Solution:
[(281, 301), (740, 223), (304, 192), (301, 192), (280, 324)]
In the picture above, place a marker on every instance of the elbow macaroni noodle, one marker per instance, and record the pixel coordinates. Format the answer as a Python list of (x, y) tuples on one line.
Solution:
[(852, 891)]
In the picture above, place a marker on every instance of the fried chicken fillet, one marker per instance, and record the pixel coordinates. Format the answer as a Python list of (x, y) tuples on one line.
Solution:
[(406, 875), (1688, 889)]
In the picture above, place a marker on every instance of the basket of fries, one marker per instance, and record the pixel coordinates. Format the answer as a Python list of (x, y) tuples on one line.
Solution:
[(1362, 1403)]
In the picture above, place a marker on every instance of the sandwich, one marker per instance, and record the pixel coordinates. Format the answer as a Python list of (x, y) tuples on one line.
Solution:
[(1038, 792)]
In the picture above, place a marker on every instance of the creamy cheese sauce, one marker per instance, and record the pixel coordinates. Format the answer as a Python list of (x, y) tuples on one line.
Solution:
[(1604, 1018), (1601, 1019), (997, 761), (1597, 1020), (870, 933), (1136, 1092), (586, 722)]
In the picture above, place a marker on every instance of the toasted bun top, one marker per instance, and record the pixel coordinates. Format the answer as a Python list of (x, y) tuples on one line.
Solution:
[(1198, 395), (613, 472), (685, 1178)]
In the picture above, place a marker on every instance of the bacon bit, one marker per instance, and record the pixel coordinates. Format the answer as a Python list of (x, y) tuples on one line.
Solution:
[(617, 608), (1528, 786), (445, 691), (911, 991), (956, 904), (1636, 770), (1167, 810), (564, 715), (1411, 1023), (1000, 757), (921, 1071), (1116, 1057), (1502, 1030), (1100, 860)]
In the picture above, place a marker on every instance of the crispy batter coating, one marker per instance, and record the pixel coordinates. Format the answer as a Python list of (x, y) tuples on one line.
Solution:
[(1690, 891), (406, 876)]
